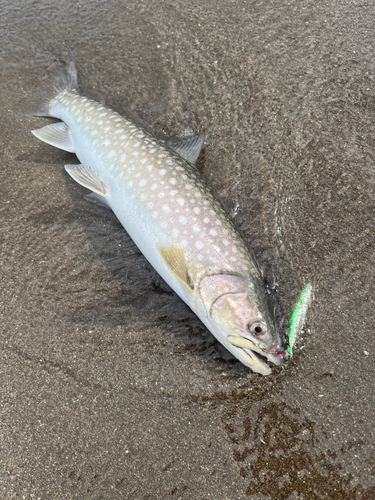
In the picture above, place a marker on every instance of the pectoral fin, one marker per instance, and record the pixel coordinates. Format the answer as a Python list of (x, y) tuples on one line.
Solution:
[(173, 257), (56, 134), (86, 177)]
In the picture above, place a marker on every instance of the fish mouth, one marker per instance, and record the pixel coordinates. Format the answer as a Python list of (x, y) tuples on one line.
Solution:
[(254, 353)]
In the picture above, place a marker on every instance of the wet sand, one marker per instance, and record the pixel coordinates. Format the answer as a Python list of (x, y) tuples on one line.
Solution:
[(111, 387)]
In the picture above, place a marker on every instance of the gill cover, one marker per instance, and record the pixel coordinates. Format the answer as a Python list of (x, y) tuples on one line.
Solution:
[(237, 304)]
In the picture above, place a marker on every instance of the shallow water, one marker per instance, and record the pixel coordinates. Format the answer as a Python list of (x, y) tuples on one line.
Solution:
[(108, 378)]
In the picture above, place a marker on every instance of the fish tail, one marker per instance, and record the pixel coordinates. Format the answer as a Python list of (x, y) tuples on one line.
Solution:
[(66, 80)]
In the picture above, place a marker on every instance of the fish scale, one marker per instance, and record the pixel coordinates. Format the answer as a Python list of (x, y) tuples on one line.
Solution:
[(171, 214)]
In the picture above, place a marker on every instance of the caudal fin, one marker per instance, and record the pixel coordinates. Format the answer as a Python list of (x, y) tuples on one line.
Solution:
[(66, 80)]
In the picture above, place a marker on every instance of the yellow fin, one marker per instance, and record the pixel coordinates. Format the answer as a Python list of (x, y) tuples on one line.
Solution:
[(173, 256)]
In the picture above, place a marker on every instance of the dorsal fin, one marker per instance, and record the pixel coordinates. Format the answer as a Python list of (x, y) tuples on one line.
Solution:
[(190, 148)]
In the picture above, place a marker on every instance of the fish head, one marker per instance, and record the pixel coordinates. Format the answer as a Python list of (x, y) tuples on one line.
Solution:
[(241, 319)]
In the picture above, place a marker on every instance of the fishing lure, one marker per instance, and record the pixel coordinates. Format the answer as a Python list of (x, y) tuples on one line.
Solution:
[(298, 316)]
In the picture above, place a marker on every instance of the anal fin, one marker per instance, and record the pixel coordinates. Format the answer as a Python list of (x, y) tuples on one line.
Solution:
[(87, 178), (56, 134)]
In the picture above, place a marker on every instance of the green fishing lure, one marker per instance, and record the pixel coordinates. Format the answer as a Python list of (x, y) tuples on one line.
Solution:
[(298, 317)]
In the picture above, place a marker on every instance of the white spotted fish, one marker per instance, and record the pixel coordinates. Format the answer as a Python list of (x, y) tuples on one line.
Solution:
[(163, 203)]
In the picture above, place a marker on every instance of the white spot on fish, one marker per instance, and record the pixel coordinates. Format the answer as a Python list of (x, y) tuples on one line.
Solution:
[(130, 184), (150, 205), (150, 167), (213, 232), (181, 202), (106, 142), (175, 232), (143, 182), (172, 180), (162, 171), (206, 220), (233, 259), (161, 194), (182, 219), (143, 197), (196, 228), (154, 186), (197, 210), (199, 245), (135, 153), (166, 208), (174, 192), (183, 243), (111, 154), (188, 186)]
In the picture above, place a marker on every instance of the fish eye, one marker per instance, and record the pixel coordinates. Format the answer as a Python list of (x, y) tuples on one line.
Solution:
[(257, 328)]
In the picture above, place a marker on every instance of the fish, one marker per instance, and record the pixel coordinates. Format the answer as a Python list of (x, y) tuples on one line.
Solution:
[(162, 201)]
